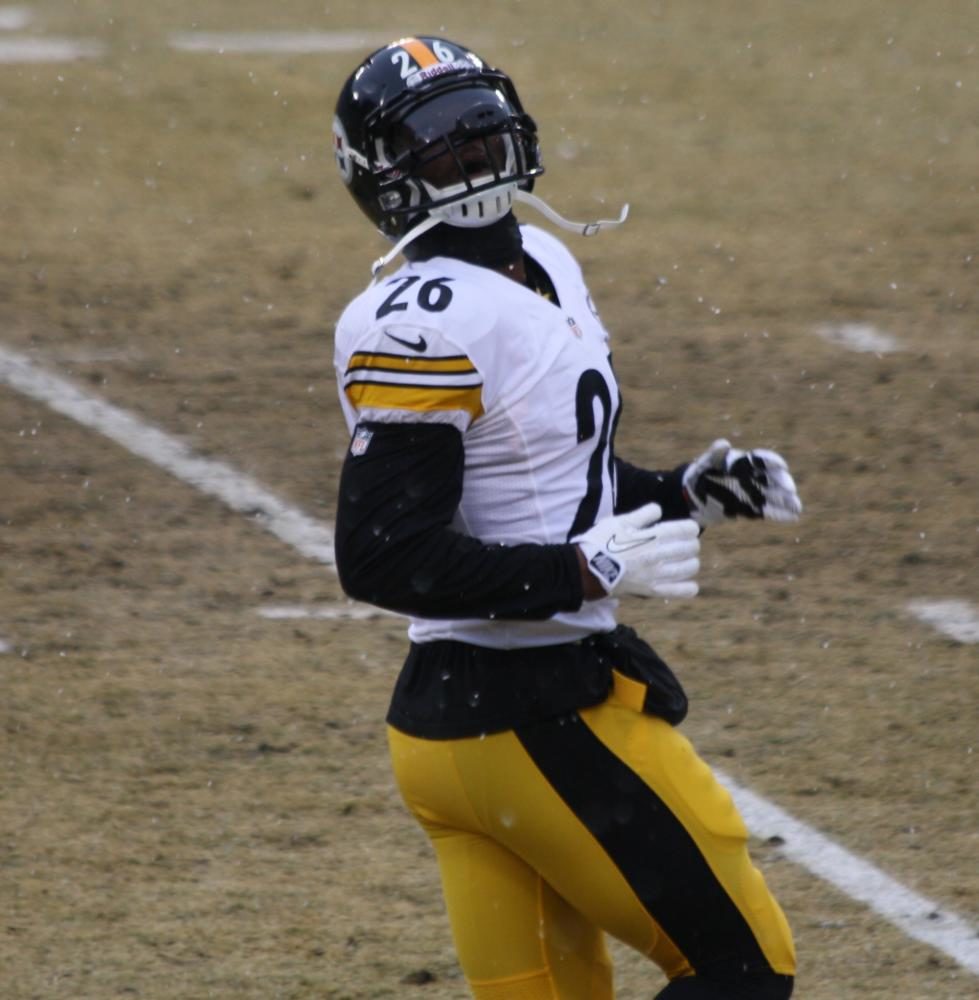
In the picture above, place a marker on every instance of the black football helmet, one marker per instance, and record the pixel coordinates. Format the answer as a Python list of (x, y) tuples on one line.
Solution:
[(425, 129)]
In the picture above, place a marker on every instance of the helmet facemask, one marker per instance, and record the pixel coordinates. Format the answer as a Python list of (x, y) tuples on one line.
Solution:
[(459, 157), (486, 166)]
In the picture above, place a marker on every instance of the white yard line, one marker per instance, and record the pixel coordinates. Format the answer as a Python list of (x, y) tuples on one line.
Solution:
[(957, 619), (41, 50), (859, 337), (920, 918), (916, 916), (240, 492), (293, 42)]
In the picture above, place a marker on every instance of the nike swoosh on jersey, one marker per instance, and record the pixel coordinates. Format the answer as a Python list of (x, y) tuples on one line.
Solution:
[(420, 345)]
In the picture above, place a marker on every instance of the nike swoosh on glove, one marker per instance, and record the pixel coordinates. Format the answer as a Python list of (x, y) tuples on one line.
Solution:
[(725, 483), (637, 553)]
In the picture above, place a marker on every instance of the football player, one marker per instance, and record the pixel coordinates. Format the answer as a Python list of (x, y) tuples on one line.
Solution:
[(532, 737)]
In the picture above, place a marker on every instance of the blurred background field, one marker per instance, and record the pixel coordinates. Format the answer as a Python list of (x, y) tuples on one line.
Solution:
[(195, 800)]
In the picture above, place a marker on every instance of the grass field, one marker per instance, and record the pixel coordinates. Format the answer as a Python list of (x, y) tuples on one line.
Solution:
[(195, 800)]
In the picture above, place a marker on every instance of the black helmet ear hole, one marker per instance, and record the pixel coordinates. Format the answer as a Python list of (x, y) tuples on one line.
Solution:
[(396, 142)]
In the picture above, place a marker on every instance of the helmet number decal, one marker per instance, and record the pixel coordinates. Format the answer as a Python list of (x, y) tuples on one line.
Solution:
[(404, 60), (443, 51), (414, 56)]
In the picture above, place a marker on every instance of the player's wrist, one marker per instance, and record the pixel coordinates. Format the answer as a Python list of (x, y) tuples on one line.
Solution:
[(591, 588)]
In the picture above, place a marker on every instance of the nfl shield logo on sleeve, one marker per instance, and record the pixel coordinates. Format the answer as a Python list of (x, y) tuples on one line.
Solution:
[(362, 438)]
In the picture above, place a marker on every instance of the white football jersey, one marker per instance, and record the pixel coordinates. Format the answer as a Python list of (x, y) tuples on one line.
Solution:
[(528, 384)]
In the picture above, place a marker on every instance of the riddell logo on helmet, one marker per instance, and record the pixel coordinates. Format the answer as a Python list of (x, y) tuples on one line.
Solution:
[(421, 76)]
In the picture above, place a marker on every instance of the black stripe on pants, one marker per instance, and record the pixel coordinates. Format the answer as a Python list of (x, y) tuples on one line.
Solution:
[(650, 846)]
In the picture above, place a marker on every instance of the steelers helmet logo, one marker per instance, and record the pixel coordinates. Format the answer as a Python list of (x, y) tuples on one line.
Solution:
[(341, 151)]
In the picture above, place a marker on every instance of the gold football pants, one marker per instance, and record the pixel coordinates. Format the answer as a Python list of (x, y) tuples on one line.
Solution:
[(604, 821)]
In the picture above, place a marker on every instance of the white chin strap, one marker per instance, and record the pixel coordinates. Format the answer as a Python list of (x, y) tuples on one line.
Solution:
[(582, 228), (446, 213), (410, 236)]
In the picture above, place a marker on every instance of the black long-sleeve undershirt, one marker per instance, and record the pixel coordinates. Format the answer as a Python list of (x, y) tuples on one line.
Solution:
[(635, 487), (395, 547)]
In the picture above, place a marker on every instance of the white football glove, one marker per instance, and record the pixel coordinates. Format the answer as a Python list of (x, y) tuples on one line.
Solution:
[(725, 482), (636, 553)]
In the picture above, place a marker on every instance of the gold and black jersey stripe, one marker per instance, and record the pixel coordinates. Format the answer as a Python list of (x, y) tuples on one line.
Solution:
[(378, 380)]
